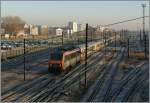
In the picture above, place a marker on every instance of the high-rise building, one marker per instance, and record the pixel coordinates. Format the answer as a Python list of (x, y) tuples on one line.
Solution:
[(81, 27), (72, 26)]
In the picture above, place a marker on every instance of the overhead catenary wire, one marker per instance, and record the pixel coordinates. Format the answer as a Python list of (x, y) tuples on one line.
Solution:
[(125, 21)]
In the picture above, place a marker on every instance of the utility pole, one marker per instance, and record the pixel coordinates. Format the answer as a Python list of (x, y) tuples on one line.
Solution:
[(143, 6), (86, 45), (24, 60), (120, 34), (62, 38), (91, 35), (128, 47), (115, 42), (140, 35), (124, 35), (105, 44), (78, 42)]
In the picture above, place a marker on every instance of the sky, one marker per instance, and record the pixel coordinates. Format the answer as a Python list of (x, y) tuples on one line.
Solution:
[(58, 13)]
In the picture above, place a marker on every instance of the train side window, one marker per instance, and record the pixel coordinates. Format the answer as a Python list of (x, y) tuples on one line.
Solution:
[(72, 56), (67, 58)]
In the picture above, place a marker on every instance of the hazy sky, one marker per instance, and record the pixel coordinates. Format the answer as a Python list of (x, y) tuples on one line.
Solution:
[(58, 13)]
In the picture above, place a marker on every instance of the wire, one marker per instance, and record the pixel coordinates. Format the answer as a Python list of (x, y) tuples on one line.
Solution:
[(124, 21)]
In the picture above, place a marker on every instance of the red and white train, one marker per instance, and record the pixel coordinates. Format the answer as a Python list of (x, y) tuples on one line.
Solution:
[(63, 59)]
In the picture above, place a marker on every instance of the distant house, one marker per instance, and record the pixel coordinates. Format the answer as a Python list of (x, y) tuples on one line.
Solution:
[(59, 31), (52, 31), (100, 28), (27, 29), (2, 31), (34, 30), (7, 36), (21, 33), (44, 30)]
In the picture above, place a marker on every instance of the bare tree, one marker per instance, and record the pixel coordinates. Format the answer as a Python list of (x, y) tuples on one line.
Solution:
[(12, 24)]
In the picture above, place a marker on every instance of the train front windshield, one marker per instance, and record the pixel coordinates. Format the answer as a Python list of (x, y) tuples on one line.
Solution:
[(56, 56), (55, 61)]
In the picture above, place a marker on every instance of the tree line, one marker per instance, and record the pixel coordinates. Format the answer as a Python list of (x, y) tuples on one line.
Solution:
[(12, 24)]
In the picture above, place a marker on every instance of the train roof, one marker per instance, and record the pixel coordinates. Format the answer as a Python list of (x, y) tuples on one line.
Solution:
[(90, 44), (65, 48), (72, 47)]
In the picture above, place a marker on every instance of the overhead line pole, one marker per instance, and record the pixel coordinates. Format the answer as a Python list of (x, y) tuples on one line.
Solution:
[(143, 6), (62, 38), (140, 35), (105, 45), (24, 60), (86, 45), (115, 42), (128, 46)]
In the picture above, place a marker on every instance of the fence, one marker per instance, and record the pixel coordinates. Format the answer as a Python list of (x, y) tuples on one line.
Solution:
[(19, 51)]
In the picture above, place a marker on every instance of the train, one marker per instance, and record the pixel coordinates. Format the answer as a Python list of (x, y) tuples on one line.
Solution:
[(64, 58)]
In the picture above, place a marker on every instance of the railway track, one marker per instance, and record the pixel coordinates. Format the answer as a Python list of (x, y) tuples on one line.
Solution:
[(103, 95), (11, 93), (139, 88), (102, 83), (48, 88), (65, 81), (124, 81), (98, 67), (18, 61), (126, 90), (55, 93), (4, 97)]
